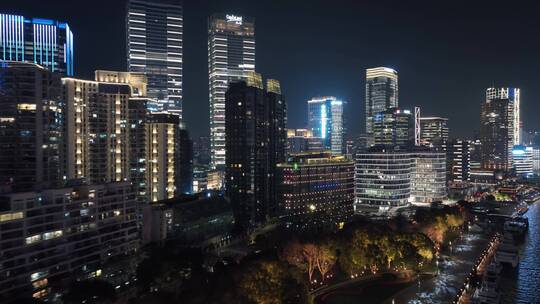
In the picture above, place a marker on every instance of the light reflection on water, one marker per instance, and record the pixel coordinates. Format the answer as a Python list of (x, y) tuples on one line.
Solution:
[(523, 287)]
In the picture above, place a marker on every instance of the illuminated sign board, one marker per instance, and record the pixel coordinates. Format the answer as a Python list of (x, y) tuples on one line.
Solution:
[(235, 19)]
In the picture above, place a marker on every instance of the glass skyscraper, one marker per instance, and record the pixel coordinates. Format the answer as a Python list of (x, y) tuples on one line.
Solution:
[(46, 42), (231, 55), (499, 127), (434, 132), (325, 119), (154, 46), (381, 93)]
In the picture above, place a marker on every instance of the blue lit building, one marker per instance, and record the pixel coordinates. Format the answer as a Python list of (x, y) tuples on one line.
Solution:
[(46, 42), (325, 120)]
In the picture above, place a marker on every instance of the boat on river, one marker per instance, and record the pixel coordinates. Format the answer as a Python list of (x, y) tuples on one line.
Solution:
[(489, 292), (507, 252)]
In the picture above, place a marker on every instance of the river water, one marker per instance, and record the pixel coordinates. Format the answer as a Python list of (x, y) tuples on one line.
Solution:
[(523, 287)]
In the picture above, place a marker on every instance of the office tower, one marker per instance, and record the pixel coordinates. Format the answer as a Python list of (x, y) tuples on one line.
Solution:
[(277, 120), (255, 126), (58, 235), (536, 160), (31, 121), (154, 47), (163, 156), (185, 174), (499, 127), (512, 95), (325, 119), (103, 120), (381, 93), (48, 43), (459, 160), (392, 177), (383, 178), (231, 55), (475, 146), (316, 190), (434, 132), (522, 160), (428, 178), (393, 127), (302, 140)]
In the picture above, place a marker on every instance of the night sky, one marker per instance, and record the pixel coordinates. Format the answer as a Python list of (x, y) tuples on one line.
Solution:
[(446, 55)]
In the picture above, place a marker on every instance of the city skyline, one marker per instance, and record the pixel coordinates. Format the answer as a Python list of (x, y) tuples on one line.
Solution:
[(212, 151), (435, 95)]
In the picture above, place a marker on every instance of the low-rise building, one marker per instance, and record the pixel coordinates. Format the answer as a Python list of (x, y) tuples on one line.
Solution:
[(190, 219)]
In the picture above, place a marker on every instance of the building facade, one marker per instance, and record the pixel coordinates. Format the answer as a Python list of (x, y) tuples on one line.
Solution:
[(536, 160), (383, 178), (499, 127), (55, 235), (393, 127), (231, 56), (256, 135), (381, 93), (316, 190), (31, 128), (46, 42), (104, 121), (163, 156), (434, 132), (185, 161), (428, 179), (459, 160), (325, 120), (522, 160), (155, 47), (302, 140), (393, 177)]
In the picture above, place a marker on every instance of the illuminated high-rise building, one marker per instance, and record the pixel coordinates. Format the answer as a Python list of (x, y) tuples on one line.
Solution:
[(256, 140), (46, 42), (393, 127), (31, 128), (325, 120), (459, 160), (231, 55), (381, 93), (104, 118), (434, 132), (499, 127), (163, 156), (155, 48)]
